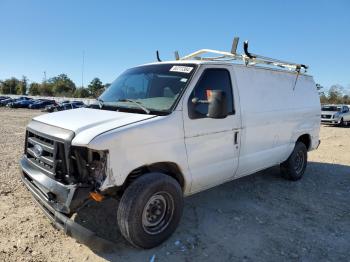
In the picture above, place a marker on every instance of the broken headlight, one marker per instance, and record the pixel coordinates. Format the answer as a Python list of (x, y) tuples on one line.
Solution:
[(89, 165)]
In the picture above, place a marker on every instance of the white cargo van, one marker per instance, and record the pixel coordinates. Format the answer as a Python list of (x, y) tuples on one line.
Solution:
[(167, 130)]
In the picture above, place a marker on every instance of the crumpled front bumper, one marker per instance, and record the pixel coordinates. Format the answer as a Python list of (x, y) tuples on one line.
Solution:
[(60, 197), (58, 209)]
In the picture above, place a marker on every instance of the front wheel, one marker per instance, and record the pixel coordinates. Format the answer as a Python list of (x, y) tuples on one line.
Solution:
[(294, 167), (150, 210)]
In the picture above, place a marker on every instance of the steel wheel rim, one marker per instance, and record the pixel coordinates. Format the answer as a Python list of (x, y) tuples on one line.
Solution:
[(299, 162), (157, 213)]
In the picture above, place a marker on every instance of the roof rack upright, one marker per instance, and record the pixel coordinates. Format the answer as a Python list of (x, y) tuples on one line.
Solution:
[(248, 58)]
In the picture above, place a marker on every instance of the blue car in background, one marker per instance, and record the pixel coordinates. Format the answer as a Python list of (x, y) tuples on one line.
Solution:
[(42, 103), (65, 105), (70, 105), (21, 103), (4, 97), (7, 101)]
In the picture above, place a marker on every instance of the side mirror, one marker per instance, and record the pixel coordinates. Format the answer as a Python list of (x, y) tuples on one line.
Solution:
[(217, 104)]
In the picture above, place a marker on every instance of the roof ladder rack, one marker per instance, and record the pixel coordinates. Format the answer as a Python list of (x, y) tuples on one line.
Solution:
[(248, 58), (258, 59)]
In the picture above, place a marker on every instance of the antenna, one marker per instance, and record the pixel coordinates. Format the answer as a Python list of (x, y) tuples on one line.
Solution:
[(82, 70), (157, 54), (44, 82)]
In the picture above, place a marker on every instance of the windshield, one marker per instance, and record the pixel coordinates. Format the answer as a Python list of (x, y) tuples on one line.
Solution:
[(331, 108), (154, 87)]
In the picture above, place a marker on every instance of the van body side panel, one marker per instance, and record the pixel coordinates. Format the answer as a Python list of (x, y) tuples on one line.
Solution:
[(276, 109)]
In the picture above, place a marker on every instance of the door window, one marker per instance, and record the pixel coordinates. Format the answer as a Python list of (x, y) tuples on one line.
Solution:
[(211, 79)]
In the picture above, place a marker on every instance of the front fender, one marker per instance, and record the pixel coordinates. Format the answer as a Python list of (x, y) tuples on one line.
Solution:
[(151, 141)]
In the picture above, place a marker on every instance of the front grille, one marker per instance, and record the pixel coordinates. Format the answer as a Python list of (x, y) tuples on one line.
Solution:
[(326, 116), (45, 154)]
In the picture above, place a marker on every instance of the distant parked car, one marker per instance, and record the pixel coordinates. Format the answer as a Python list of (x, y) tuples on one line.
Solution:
[(4, 97), (70, 105), (49, 108), (12, 100), (335, 114), (23, 103), (42, 103), (4, 102), (65, 105)]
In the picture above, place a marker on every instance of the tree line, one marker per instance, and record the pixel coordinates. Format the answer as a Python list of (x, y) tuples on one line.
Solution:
[(336, 94), (60, 85)]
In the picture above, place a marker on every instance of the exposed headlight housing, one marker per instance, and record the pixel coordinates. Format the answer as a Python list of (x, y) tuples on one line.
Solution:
[(90, 166)]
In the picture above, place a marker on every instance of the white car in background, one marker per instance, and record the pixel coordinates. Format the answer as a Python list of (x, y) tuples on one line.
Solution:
[(335, 114)]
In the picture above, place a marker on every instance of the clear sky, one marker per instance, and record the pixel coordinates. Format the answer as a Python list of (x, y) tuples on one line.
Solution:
[(38, 36)]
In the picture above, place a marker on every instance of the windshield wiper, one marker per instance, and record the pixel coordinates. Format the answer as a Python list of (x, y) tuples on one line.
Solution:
[(136, 103)]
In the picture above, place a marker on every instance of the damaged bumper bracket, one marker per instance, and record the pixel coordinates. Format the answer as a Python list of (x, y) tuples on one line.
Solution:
[(63, 222)]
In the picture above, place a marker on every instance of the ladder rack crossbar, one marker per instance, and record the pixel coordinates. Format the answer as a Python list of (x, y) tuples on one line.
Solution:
[(204, 51), (247, 58)]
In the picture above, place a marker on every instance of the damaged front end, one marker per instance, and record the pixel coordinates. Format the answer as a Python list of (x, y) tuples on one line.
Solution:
[(68, 192), (92, 167), (62, 177), (65, 175)]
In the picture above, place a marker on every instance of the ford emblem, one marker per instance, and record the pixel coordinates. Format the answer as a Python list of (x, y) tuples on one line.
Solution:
[(38, 151)]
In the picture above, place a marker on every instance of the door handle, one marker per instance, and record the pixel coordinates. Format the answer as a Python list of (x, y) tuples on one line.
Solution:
[(236, 138)]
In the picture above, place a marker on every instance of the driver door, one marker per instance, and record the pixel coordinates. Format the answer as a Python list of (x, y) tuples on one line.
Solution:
[(212, 144)]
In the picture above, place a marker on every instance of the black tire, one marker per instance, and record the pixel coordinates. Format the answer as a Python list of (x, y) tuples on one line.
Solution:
[(344, 123), (294, 167), (150, 210)]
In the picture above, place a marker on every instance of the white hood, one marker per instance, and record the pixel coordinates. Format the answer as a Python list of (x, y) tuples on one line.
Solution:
[(88, 123)]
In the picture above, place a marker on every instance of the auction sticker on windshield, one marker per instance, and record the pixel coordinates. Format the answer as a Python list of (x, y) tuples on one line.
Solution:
[(181, 69)]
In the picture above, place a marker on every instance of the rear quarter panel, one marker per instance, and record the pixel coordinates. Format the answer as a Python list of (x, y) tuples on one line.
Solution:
[(276, 108)]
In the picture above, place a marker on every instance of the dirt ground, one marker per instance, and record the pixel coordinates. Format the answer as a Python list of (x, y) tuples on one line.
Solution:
[(257, 218)]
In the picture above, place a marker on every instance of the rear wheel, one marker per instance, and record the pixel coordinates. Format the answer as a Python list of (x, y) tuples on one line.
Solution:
[(294, 167), (150, 210)]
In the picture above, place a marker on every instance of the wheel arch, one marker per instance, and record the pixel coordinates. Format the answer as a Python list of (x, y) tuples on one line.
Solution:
[(168, 168), (306, 140)]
